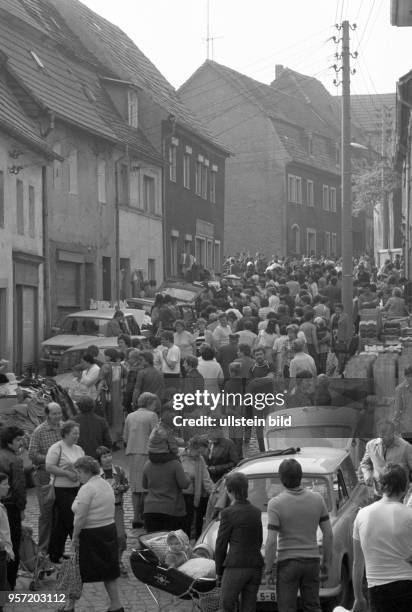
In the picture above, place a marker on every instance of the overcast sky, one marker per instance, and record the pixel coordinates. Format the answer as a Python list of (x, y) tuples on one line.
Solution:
[(254, 36)]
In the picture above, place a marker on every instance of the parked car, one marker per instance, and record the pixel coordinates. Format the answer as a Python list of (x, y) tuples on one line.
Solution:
[(185, 294), (71, 358), (330, 472), (84, 327)]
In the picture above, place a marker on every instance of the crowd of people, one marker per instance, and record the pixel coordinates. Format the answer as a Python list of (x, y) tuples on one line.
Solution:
[(281, 324)]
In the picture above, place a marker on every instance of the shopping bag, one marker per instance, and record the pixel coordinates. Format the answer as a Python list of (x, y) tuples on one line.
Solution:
[(69, 580)]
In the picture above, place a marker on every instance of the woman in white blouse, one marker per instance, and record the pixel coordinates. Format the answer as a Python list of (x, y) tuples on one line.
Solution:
[(94, 533), (90, 375), (60, 460)]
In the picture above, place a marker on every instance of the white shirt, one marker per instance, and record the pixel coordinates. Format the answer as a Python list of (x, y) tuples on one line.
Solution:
[(68, 457), (89, 379), (385, 533), (212, 374), (173, 354), (300, 363), (98, 495), (221, 336)]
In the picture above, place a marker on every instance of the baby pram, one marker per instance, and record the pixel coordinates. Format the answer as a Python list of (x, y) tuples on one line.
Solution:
[(170, 589), (34, 564)]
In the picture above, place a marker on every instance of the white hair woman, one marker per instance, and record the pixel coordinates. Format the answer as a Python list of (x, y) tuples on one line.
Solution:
[(94, 532)]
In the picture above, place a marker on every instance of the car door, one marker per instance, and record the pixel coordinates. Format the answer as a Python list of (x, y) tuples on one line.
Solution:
[(350, 497)]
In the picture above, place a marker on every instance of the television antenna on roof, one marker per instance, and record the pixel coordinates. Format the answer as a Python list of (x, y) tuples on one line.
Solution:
[(209, 39)]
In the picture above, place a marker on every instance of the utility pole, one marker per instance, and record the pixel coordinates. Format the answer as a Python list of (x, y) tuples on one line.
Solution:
[(346, 178)]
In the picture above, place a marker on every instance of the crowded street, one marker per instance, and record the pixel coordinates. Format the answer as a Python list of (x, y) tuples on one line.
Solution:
[(205, 306)]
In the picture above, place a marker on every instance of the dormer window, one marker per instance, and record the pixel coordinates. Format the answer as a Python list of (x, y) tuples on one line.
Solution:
[(133, 108)]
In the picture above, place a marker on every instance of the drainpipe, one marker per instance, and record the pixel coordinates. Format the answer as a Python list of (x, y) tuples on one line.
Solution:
[(172, 122), (46, 254), (117, 221)]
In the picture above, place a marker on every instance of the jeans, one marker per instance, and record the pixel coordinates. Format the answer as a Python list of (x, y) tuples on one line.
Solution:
[(243, 581), (392, 597), (45, 516), (295, 574)]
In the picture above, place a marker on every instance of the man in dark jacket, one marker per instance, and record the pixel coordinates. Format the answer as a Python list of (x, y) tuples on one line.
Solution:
[(222, 454), (94, 430), (239, 569), (228, 353), (148, 379)]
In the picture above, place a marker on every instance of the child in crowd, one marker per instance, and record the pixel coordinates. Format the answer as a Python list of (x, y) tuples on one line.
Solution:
[(179, 548), (116, 476), (6, 549)]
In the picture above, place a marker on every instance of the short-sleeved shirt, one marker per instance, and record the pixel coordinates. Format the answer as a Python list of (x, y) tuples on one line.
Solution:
[(296, 514), (98, 495), (64, 459), (173, 354), (384, 530)]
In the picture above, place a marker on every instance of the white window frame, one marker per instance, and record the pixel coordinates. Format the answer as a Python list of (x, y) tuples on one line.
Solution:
[(217, 262), (310, 193), (209, 254), (187, 165), (334, 243), (145, 204), (332, 199), (294, 189), (325, 197), (173, 162), (101, 181), (205, 181), (200, 256), (32, 211), (132, 108), (57, 166), (297, 235), (327, 244), (212, 188), (73, 179), (198, 178), (310, 231)]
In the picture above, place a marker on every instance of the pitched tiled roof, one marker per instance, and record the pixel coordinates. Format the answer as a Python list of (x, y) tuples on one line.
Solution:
[(118, 53), (54, 87), (286, 100), (14, 121), (366, 110), (17, 9), (61, 87)]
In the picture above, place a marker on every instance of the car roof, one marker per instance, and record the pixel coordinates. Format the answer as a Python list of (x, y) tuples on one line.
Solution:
[(314, 460), (106, 313), (100, 342)]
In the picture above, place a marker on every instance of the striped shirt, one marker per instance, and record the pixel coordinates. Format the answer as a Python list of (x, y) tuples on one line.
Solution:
[(43, 437)]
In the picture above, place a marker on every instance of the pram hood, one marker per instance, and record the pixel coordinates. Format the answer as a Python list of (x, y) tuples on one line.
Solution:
[(181, 536)]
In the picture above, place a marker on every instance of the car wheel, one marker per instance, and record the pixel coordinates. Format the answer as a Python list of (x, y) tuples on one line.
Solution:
[(345, 597)]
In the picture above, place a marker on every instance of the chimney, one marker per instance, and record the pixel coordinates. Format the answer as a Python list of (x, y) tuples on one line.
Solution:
[(278, 70)]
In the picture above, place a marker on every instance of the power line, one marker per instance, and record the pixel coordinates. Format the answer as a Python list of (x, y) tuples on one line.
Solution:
[(367, 21)]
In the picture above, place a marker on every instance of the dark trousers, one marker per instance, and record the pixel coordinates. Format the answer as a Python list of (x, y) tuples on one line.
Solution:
[(62, 521), (243, 582), (249, 414), (295, 574), (155, 521), (196, 513), (392, 597), (14, 516)]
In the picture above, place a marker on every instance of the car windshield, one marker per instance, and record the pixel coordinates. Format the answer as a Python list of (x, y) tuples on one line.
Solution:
[(69, 360), (90, 326), (182, 295), (262, 489)]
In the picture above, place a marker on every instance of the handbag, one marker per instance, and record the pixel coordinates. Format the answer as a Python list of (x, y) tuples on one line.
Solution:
[(69, 580), (47, 490)]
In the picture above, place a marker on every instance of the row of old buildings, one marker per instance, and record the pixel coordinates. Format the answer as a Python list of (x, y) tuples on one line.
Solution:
[(106, 177), (109, 176)]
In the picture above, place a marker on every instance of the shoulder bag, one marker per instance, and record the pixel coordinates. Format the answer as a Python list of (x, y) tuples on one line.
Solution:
[(47, 490)]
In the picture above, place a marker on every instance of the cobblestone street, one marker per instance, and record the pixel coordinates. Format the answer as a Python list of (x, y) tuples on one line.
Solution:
[(134, 595)]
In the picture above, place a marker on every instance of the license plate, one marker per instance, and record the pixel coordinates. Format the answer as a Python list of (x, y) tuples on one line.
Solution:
[(266, 596)]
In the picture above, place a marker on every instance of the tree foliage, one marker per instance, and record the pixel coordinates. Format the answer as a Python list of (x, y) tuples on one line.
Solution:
[(372, 183)]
